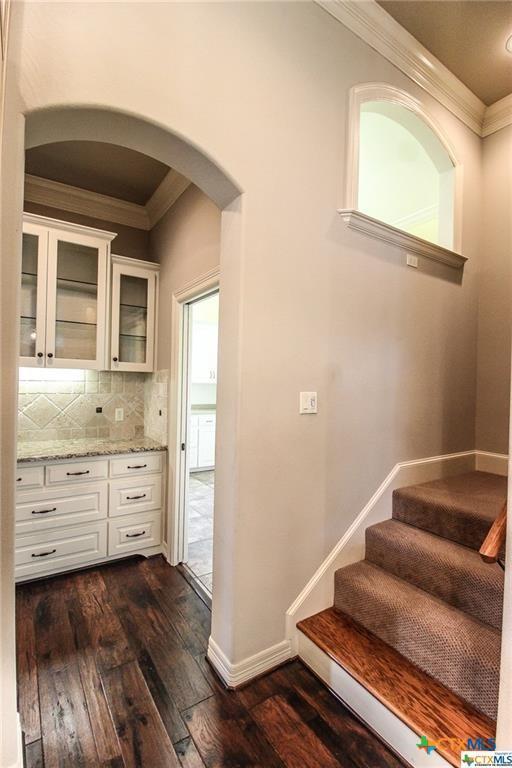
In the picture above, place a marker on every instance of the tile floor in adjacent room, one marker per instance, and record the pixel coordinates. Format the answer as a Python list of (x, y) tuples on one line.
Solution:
[(200, 525)]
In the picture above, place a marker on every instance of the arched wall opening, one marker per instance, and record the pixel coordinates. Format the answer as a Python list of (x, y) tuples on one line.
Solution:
[(112, 127), (74, 123)]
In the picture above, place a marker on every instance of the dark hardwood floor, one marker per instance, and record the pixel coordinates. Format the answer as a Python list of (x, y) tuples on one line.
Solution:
[(112, 672)]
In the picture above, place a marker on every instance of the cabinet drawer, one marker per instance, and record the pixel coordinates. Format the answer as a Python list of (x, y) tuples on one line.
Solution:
[(137, 464), (207, 420), (134, 532), (73, 472), (29, 477), (47, 551), (56, 508), (135, 494)]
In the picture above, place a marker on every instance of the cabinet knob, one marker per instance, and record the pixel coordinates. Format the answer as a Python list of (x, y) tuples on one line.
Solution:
[(115, 359), (39, 354), (50, 354)]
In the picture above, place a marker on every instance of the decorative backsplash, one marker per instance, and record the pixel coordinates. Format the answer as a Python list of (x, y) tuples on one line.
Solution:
[(61, 404), (155, 405)]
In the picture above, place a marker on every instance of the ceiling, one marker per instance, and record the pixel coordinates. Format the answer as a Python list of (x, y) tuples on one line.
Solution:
[(97, 167), (467, 36)]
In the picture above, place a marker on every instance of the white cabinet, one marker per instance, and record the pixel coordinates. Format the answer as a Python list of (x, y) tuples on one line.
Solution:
[(64, 294), (133, 314), (201, 441), (64, 523), (204, 353)]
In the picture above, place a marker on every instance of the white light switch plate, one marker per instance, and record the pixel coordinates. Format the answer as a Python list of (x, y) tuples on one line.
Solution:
[(412, 260), (119, 414), (308, 402)]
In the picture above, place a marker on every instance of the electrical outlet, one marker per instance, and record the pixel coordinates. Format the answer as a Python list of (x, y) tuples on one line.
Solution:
[(119, 414)]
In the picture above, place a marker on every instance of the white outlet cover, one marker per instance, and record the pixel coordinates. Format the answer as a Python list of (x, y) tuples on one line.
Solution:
[(119, 415)]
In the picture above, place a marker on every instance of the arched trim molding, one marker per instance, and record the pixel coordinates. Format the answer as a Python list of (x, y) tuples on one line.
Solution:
[(439, 149), (85, 123)]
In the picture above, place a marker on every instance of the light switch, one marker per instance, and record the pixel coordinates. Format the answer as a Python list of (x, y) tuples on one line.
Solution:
[(412, 260), (308, 402), (119, 414)]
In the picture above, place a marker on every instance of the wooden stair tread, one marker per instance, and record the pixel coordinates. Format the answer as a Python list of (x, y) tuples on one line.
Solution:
[(423, 704)]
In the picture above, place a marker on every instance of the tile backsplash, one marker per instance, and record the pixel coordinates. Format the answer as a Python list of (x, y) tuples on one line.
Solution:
[(61, 404), (155, 405)]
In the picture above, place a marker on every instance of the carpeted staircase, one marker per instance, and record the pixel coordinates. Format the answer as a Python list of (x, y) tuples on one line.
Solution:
[(424, 590)]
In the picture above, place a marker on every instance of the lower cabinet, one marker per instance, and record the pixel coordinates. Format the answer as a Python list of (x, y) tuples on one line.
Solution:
[(69, 522), (202, 441), (126, 534), (47, 551)]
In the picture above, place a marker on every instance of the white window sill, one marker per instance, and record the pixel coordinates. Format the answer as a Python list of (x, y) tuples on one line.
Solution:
[(361, 222)]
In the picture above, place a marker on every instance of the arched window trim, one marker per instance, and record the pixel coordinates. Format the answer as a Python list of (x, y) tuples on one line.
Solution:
[(360, 221)]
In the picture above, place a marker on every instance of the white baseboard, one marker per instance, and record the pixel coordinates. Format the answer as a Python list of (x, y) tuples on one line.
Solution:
[(497, 463), (318, 593), (378, 717), (236, 674)]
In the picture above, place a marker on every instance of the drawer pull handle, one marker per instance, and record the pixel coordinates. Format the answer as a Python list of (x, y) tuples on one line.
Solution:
[(19, 479), (84, 472), (134, 535), (43, 511), (141, 496), (45, 554), (136, 466)]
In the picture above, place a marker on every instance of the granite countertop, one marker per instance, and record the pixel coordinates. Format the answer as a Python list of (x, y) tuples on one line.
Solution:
[(47, 450)]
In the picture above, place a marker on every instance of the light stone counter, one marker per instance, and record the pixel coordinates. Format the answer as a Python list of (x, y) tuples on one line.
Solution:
[(49, 450)]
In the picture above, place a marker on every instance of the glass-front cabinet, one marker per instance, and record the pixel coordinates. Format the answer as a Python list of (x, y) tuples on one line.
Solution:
[(134, 285), (33, 294), (64, 294)]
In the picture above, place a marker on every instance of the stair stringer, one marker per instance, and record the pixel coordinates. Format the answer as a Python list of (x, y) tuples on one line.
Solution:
[(393, 731), (318, 594)]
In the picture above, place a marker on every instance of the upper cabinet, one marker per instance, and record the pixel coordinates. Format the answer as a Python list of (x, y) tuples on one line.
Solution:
[(67, 319), (134, 291), (64, 294)]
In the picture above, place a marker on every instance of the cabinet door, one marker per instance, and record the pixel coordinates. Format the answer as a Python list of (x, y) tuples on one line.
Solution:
[(206, 446), (133, 318), (204, 354), (193, 442), (76, 300), (33, 295)]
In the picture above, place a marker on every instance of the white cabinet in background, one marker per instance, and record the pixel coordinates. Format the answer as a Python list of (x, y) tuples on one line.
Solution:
[(64, 282), (204, 353), (201, 441), (134, 300)]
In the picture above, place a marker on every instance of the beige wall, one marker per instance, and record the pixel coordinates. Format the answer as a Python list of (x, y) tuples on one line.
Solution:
[(130, 241), (262, 89), (186, 243), (495, 295), (11, 199)]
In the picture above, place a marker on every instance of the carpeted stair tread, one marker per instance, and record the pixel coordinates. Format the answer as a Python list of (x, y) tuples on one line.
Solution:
[(451, 646), (461, 508), (450, 571)]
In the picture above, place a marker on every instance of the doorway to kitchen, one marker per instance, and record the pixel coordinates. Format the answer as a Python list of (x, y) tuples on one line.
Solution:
[(199, 400)]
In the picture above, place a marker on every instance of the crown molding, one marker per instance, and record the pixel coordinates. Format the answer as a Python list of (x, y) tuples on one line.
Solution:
[(67, 198), (165, 195), (369, 21), (497, 116)]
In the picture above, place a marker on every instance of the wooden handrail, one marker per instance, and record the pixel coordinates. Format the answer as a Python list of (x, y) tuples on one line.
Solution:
[(493, 542)]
